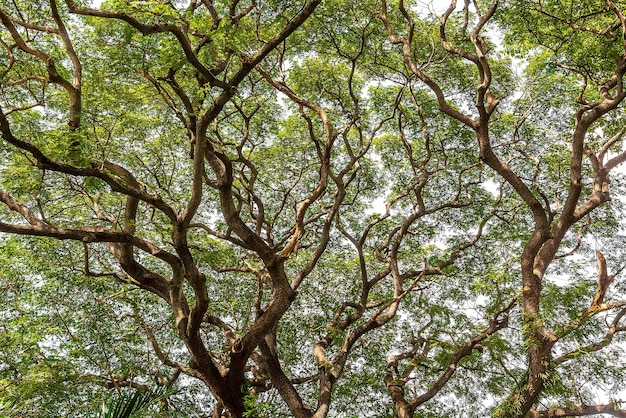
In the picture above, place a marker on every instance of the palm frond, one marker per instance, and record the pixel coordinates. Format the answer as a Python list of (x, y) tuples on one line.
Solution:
[(127, 404)]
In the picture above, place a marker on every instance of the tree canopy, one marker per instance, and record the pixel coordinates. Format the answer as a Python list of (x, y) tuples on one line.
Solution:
[(313, 208)]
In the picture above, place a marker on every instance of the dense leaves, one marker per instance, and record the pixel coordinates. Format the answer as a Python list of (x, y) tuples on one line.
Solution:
[(312, 208)]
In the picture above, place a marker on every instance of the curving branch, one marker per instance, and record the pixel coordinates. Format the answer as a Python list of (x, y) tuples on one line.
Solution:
[(207, 74), (613, 329)]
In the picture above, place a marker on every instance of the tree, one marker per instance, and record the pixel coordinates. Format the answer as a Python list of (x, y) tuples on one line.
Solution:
[(313, 208)]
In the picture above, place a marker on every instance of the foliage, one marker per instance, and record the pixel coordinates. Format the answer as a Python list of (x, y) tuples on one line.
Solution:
[(129, 404), (312, 208)]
